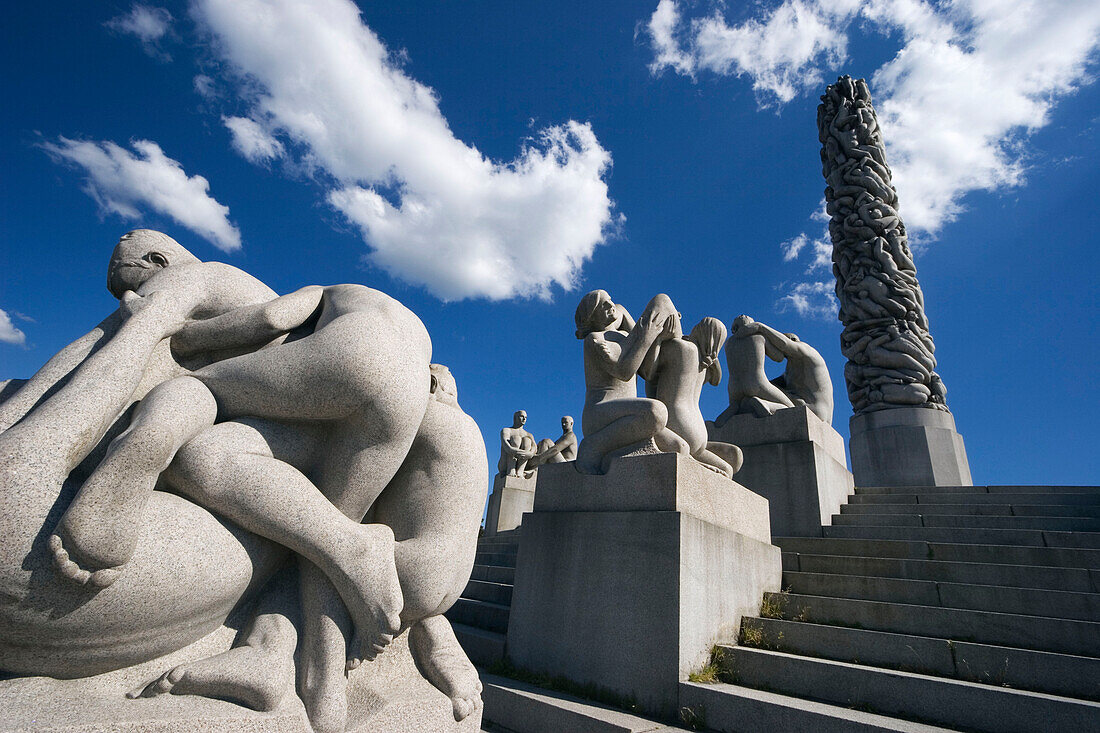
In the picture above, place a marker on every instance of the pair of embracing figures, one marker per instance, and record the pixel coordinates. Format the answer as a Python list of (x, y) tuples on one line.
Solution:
[(675, 367), (311, 423)]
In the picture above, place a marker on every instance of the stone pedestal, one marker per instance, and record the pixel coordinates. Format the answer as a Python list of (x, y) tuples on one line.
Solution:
[(796, 461), (512, 496), (388, 695), (908, 446), (625, 581)]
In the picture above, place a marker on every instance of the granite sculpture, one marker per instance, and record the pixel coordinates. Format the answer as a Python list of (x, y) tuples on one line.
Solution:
[(891, 361), (615, 420), (805, 380), (160, 470), (517, 448), (675, 371), (562, 450)]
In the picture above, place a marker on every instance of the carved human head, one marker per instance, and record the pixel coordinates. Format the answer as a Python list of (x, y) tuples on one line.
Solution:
[(708, 335), (139, 255), (443, 386), (566, 423), (741, 320), (519, 419), (596, 312)]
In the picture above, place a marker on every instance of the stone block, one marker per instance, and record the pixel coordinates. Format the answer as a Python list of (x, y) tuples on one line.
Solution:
[(908, 446), (385, 696), (796, 461), (512, 497), (624, 583)]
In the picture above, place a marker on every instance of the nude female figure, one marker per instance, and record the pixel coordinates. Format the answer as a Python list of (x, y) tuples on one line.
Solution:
[(674, 372), (614, 416)]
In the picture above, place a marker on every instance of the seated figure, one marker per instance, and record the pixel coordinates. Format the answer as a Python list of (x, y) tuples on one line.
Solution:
[(558, 451), (517, 448)]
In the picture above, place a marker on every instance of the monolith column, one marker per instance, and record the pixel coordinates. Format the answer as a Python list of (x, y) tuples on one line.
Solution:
[(902, 433)]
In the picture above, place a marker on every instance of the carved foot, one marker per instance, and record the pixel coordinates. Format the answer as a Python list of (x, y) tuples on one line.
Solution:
[(371, 590), (441, 660), (69, 568), (248, 675)]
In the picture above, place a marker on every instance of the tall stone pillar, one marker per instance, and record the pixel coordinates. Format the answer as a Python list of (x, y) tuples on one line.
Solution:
[(902, 433)]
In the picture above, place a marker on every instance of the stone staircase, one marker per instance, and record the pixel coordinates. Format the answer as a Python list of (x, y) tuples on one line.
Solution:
[(480, 616), (918, 609), (961, 608)]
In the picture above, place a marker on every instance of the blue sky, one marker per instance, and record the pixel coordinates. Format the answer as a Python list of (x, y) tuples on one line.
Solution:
[(488, 163)]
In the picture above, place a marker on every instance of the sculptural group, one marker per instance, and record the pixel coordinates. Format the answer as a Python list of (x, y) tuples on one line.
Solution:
[(160, 471), (521, 456)]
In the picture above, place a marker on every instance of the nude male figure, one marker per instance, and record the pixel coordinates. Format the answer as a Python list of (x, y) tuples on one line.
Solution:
[(558, 451), (517, 448), (749, 387), (806, 378)]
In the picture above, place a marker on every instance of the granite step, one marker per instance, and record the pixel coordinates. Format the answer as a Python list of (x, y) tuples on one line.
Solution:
[(484, 648), (1058, 674), (1079, 580), (923, 698), (1057, 498), (494, 573), (978, 489), (1020, 601), (1063, 636), (480, 614), (737, 709), (480, 590), (968, 535), (1057, 557), (919, 519), (1006, 510), (511, 705), (504, 559)]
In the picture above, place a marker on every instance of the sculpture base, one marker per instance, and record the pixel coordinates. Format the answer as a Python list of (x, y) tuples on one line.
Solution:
[(908, 446), (796, 461), (387, 696), (625, 581), (512, 497)]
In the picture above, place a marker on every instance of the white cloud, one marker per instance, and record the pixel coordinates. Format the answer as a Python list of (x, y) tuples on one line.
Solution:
[(810, 300), (204, 86), (971, 79), (122, 183), (9, 334), (148, 24), (793, 247), (434, 210), (252, 141)]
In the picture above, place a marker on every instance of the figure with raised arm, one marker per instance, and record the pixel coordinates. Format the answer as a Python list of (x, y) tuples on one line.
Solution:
[(749, 387), (614, 417), (674, 372)]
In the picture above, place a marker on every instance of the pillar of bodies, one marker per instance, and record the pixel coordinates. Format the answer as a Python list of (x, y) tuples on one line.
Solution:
[(902, 433)]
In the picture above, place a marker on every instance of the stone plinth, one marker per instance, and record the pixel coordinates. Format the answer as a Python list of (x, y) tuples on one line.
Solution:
[(625, 581), (385, 696), (796, 461), (512, 497), (908, 446)]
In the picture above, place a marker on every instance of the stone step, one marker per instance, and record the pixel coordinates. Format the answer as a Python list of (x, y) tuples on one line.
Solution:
[(1020, 601), (1055, 557), (1069, 499), (493, 574), (480, 590), (1067, 524), (480, 614), (968, 535), (1078, 580), (1057, 674), (946, 702), (1006, 510), (504, 559), (738, 709), (524, 708), (978, 489), (484, 648), (1062, 636)]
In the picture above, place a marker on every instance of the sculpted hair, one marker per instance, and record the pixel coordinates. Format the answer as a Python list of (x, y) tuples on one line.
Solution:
[(709, 334), (586, 308)]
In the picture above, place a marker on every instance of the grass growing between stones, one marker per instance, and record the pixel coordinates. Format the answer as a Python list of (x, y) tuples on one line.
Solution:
[(774, 604), (558, 683), (708, 675)]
